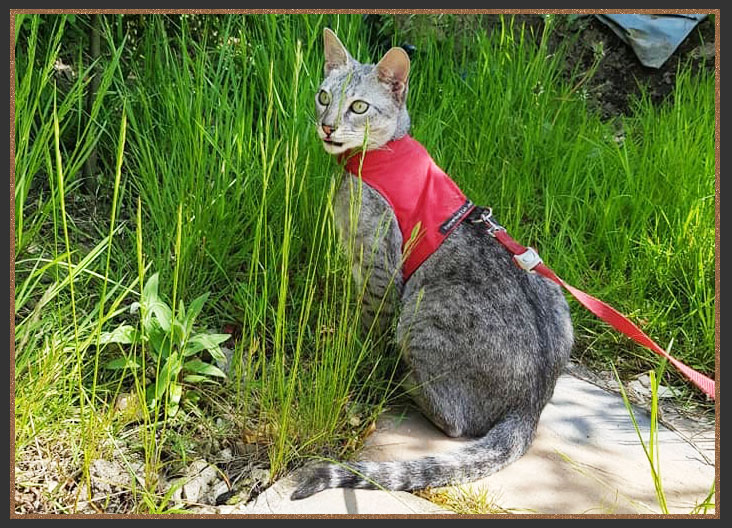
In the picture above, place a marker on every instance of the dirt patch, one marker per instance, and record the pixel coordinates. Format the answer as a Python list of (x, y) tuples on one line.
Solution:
[(620, 76)]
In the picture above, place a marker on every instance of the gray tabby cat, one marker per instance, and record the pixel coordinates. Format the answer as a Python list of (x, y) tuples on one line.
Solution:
[(484, 340)]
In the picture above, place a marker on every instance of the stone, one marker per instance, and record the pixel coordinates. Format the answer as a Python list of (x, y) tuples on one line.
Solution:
[(705, 51), (195, 484), (108, 476)]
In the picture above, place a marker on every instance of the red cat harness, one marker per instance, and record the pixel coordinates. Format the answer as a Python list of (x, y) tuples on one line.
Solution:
[(428, 206)]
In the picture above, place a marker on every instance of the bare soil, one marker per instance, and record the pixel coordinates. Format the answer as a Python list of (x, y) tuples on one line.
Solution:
[(620, 75)]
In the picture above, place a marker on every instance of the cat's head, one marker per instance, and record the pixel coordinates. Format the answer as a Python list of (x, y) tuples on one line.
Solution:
[(358, 103)]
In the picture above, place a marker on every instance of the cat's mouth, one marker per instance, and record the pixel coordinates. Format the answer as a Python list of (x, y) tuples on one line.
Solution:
[(331, 142)]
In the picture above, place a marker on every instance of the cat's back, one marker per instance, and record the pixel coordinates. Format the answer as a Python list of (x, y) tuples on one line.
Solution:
[(500, 318), (478, 264)]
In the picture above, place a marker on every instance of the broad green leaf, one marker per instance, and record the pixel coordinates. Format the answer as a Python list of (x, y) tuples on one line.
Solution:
[(193, 310), (124, 334), (173, 366), (159, 389), (199, 367), (193, 396), (167, 376), (172, 409), (208, 342), (178, 333), (154, 305), (174, 395), (181, 315), (150, 395), (160, 342), (162, 313), (121, 363), (150, 291), (197, 378)]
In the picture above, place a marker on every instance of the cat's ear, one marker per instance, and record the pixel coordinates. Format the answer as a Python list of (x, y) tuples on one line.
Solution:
[(336, 55), (393, 69)]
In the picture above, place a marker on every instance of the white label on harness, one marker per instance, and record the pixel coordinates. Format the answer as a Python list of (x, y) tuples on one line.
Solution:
[(528, 260)]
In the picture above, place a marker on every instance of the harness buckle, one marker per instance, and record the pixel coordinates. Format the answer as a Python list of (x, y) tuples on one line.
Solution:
[(528, 260), (487, 218)]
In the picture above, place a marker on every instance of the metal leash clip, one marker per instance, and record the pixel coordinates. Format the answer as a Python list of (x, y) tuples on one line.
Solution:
[(487, 218)]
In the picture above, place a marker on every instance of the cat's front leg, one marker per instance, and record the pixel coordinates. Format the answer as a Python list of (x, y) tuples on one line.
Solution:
[(369, 232)]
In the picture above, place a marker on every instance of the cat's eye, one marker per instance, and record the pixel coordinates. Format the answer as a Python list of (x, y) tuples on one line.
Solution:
[(359, 107), (324, 98)]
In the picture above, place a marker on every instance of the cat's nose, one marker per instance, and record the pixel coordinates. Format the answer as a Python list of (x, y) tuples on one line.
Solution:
[(327, 129)]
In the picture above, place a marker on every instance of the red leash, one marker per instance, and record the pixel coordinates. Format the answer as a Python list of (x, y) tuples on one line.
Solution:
[(528, 259)]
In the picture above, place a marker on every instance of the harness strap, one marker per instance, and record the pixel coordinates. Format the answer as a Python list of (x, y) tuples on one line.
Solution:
[(528, 259)]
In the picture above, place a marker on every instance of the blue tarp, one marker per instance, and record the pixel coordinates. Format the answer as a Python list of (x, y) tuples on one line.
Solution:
[(653, 38)]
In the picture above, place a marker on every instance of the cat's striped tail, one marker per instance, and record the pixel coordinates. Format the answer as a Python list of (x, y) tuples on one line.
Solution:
[(503, 444)]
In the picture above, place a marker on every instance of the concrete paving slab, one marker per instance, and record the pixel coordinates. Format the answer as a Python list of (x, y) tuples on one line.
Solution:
[(276, 500), (586, 457)]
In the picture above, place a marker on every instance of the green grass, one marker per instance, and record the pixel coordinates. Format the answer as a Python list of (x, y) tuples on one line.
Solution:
[(465, 500), (211, 176)]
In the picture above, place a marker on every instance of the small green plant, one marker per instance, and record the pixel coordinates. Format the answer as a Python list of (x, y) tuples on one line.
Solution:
[(707, 504), (171, 344), (464, 500), (651, 447)]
